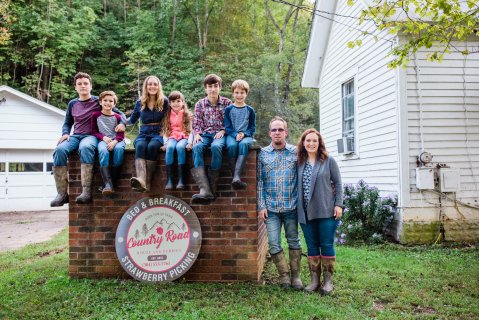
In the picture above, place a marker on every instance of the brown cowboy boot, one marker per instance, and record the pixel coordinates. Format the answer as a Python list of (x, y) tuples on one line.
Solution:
[(295, 266), (283, 270), (328, 270), (314, 263), (61, 182)]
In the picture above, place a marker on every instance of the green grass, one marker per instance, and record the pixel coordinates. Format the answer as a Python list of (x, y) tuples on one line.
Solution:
[(383, 282)]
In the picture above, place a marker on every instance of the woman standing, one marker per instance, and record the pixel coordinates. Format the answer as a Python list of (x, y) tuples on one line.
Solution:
[(320, 200), (150, 109)]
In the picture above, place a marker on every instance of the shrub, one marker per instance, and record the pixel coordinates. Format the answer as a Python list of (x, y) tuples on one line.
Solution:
[(366, 215)]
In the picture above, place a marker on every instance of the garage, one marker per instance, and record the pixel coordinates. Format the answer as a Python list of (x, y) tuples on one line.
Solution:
[(29, 129)]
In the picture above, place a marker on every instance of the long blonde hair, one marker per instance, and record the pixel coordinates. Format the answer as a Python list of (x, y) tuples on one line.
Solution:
[(187, 115), (160, 96)]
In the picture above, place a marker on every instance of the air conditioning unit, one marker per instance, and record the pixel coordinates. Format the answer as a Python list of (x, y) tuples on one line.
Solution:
[(346, 145)]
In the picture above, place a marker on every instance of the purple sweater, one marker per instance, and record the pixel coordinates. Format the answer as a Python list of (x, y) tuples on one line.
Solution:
[(79, 114)]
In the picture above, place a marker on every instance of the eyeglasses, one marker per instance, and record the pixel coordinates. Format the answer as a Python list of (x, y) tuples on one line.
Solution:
[(277, 130)]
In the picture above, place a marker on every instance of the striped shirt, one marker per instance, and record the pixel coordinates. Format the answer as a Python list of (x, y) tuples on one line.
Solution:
[(277, 179), (104, 125)]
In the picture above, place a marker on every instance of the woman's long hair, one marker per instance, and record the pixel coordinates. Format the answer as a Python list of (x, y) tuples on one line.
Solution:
[(187, 115), (321, 155), (160, 97)]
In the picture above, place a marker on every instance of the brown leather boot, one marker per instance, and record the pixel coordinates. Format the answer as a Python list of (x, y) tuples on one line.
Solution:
[(328, 270), (295, 267), (314, 263), (283, 270), (139, 182), (60, 175), (86, 180)]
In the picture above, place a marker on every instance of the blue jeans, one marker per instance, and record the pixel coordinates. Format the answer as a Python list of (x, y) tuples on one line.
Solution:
[(236, 148), (216, 151), (180, 147), (148, 148), (84, 143), (104, 155), (273, 226), (319, 235)]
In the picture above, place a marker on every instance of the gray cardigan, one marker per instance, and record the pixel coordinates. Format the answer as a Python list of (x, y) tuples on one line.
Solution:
[(322, 198)]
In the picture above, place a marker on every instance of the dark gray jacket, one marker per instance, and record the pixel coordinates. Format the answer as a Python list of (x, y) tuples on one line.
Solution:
[(322, 198)]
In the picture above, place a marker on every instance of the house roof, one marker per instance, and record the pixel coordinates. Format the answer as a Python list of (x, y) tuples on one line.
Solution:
[(31, 99), (318, 42)]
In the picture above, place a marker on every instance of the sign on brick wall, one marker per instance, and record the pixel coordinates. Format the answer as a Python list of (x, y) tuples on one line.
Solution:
[(158, 239)]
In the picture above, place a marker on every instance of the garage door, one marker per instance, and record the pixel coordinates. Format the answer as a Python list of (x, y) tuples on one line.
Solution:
[(28, 183)]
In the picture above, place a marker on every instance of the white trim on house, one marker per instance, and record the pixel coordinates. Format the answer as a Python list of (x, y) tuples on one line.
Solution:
[(31, 99)]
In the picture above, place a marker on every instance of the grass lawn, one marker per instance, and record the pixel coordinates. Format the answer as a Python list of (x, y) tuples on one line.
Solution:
[(383, 282)]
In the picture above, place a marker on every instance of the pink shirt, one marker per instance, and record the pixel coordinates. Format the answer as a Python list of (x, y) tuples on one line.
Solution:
[(176, 125)]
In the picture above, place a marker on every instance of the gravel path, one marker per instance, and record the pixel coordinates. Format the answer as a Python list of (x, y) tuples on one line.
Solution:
[(18, 229)]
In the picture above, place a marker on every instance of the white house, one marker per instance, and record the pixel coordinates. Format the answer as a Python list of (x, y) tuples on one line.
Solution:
[(389, 117), (29, 129)]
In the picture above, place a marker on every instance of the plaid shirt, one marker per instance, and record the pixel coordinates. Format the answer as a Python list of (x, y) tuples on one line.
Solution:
[(277, 179), (209, 119)]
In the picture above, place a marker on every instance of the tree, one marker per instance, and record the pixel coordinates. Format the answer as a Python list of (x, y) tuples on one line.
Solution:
[(432, 24)]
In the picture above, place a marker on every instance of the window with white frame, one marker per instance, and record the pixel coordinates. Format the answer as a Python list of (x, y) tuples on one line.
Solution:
[(348, 109)]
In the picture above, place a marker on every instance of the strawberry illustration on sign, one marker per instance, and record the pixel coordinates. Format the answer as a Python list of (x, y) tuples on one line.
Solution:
[(159, 230)]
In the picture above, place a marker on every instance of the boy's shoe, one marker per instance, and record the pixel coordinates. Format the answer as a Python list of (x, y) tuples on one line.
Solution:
[(86, 180), (107, 184), (60, 175), (205, 196), (237, 183)]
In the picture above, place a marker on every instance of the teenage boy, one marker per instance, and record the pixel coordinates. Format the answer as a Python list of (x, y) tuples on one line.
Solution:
[(240, 125), (78, 113), (277, 201), (209, 130)]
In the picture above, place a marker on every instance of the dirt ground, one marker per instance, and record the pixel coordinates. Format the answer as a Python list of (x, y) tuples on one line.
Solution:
[(18, 229)]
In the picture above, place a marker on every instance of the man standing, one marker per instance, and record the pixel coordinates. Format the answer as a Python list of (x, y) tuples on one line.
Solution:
[(277, 200)]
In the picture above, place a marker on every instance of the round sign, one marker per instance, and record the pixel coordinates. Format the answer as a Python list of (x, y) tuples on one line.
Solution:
[(158, 239)]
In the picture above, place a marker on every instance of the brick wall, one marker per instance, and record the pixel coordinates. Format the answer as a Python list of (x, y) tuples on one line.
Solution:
[(234, 241)]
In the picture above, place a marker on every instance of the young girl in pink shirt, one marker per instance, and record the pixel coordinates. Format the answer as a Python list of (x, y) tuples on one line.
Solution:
[(177, 135)]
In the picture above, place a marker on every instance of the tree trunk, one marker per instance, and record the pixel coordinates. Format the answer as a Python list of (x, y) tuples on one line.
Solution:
[(282, 32), (105, 5), (173, 27), (289, 72)]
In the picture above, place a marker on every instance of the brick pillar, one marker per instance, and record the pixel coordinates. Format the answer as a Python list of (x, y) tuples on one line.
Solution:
[(234, 240)]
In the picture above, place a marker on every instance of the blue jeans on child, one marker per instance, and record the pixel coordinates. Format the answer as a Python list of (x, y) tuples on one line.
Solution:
[(104, 155), (319, 235), (84, 143), (273, 226), (236, 148), (180, 147), (216, 146)]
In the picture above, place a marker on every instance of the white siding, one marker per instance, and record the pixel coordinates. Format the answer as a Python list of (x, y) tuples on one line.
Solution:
[(448, 95), (25, 125), (376, 92)]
